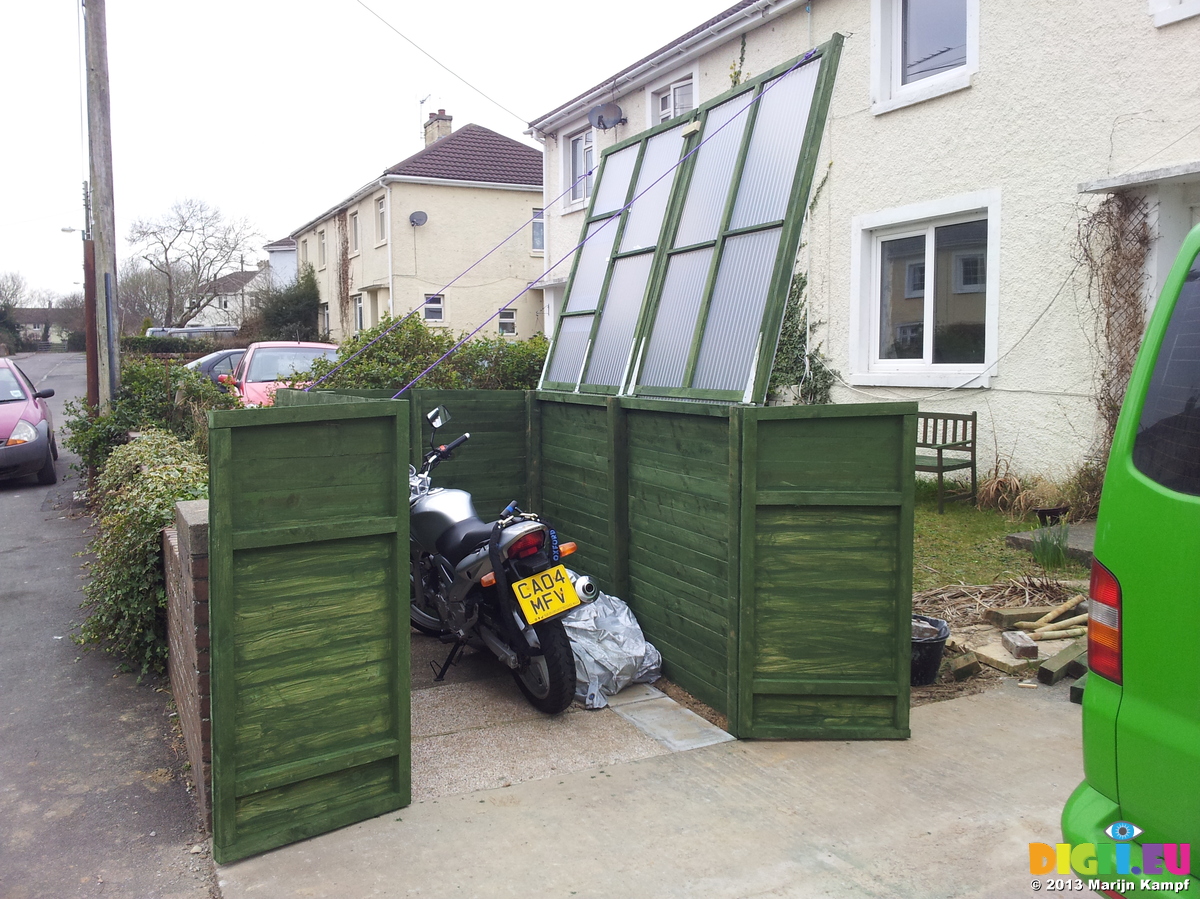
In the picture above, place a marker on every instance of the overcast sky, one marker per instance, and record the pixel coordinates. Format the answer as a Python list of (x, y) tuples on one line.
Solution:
[(274, 110)]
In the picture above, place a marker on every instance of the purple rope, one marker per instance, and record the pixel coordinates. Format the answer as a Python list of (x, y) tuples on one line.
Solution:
[(607, 221), (457, 278)]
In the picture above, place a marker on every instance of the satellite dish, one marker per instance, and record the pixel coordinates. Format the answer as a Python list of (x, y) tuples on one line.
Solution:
[(605, 116), (418, 218)]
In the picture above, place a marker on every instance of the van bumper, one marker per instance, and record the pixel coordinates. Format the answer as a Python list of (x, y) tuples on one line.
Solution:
[(1085, 818)]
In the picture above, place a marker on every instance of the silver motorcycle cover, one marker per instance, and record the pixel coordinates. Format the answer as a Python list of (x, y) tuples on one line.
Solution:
[(610, 650)]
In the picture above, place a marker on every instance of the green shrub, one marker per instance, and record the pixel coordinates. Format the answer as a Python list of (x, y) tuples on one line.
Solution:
[(76, 341), (154, 394), (399, 356), (144, 345), (134, 499)]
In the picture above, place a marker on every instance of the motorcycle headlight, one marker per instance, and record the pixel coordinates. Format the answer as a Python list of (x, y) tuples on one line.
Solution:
[(24, 432)]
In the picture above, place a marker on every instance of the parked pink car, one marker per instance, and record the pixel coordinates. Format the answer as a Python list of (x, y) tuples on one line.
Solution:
[(267, 366), (27, 444)]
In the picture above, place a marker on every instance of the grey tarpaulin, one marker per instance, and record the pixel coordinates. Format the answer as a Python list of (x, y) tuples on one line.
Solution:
[(610, 650)]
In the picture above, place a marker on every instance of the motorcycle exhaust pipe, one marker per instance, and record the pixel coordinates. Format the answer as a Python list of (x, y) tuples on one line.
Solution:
[(586, 588)]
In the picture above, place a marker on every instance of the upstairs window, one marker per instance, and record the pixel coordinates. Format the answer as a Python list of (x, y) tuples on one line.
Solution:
[(380, 220), (925, 48), (508, 321), (435, 307), (539, 231), (354, 232), (320, 249), (581, 160), (674, 100)]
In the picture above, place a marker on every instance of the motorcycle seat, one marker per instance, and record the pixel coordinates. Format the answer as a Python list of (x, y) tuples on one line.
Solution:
[(458, 542)]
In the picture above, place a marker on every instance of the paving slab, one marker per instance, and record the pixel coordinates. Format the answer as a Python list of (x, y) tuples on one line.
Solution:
[(676, 727), (1081, 536), (938, 815)]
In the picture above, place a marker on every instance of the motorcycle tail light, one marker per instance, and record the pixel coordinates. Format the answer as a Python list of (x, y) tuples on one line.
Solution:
[(526, 546)]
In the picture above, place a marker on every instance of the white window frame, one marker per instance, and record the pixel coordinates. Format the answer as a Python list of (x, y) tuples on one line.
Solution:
[(664, 87), (323, 317), (304, 251), (436, 304), (321, 257), (538, 233), (888, 91), (381, 231), (1166, 12), (570, 204), (508, 317), (960, 283), (910, 271), (867, 231), (354, 242), (359, 324)]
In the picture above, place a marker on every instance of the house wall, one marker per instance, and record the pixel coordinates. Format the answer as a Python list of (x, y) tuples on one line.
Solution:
[(464, 224), (1094, 90)]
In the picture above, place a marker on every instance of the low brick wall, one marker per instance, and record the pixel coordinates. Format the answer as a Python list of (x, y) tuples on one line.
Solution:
[(185, 552)]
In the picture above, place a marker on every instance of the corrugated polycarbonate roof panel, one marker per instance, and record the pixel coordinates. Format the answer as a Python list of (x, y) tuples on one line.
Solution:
[(614, 181), (766, 184), (735, 316), (570, 345), (675, 320), (715, 162), (592, 266), (653, 190), (697, 283), (614, 337)]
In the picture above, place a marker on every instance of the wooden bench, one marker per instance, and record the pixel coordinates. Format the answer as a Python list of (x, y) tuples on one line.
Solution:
[(946, 442)]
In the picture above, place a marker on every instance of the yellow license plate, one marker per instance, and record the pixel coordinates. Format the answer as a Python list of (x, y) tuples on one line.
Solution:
[(546, 594)]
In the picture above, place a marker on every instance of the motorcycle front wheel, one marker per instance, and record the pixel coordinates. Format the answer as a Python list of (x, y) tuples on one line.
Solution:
[(423, 615), (548, 680)]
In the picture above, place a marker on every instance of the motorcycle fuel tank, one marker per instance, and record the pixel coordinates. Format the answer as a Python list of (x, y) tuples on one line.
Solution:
[(436, 512)]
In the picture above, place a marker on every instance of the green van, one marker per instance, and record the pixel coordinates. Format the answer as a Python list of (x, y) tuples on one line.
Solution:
[(1129, 827)]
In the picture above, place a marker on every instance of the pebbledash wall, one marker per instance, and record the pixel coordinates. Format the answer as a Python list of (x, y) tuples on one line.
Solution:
[(1097, 96), (185, 555)]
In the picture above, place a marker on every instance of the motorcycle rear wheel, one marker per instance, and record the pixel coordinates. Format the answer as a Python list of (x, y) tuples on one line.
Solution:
[(423, 616), (548, 680)]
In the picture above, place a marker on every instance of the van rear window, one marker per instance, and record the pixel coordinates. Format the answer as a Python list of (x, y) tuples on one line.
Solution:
[(1167, 446)]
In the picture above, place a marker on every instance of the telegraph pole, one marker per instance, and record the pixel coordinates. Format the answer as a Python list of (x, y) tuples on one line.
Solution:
[(103, 223)]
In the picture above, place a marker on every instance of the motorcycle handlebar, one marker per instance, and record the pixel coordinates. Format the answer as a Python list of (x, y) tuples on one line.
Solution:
[(455, 444)]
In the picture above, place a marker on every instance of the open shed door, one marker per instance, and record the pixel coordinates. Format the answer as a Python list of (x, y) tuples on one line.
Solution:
[(308, 619), (825, 636)]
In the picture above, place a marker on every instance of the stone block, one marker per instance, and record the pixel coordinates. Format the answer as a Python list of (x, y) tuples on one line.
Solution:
[(1019, 644), (191, 521)]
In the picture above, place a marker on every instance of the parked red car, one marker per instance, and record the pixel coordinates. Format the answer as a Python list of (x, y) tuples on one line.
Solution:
[(267, 366), (27, 444)]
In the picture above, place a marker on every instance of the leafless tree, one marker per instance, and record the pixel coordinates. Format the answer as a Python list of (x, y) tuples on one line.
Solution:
[(189, 247), (13, 289)]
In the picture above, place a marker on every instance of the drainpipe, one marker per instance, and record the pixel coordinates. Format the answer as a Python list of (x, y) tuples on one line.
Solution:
[(387, 202)]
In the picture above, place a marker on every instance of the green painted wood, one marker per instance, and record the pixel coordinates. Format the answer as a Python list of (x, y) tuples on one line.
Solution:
[(308, 618), (826, 573)]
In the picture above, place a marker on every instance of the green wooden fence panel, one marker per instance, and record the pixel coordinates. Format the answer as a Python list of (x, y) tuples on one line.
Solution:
[(308, 619), (826, 571)]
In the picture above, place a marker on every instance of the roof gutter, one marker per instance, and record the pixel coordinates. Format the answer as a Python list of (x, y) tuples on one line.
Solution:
[(684, 51)]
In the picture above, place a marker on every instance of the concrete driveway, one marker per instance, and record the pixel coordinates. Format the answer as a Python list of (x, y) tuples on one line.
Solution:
[(948, 813), (93, 801)]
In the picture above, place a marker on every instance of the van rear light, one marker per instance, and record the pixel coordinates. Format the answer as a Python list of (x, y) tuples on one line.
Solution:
[(1104, 624)]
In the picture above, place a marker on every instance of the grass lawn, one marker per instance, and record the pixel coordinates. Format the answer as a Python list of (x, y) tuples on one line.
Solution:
[(966, 545)]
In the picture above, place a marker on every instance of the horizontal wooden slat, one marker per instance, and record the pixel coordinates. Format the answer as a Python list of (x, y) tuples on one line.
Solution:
[(255, 780), (315, 533), (799, 497), (824, 687)]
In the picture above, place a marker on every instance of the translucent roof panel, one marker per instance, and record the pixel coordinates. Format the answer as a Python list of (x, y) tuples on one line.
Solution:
[(653, 190), (570, 345), (592, 266), (715, 161), (739, 299), (766, 184), (675, 320), (614, 337), (614, 181)]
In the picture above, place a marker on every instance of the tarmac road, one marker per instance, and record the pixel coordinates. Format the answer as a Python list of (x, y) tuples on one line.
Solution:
[(93, 795)]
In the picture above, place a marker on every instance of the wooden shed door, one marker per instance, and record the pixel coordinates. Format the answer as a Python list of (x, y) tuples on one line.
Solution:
[(826, 572), (309, 620)]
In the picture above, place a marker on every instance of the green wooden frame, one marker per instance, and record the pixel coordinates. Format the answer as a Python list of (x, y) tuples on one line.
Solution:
[(825, 56)]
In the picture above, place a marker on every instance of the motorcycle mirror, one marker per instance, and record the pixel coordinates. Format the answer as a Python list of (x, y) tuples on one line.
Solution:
[(438, 417)]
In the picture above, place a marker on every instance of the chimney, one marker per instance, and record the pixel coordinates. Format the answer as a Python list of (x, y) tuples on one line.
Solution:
[(438, 126)]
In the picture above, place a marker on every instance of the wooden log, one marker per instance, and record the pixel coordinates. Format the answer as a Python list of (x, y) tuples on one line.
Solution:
[(1019, 645), (1056, 667), (1058, 610), (1064, 624), (964, 666), (1058, 635)]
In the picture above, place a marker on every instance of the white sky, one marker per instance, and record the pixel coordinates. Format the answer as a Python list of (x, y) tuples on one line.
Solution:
[(274, 110)]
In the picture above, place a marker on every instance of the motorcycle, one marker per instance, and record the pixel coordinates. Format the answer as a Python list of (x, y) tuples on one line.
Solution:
[(492, 585)]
